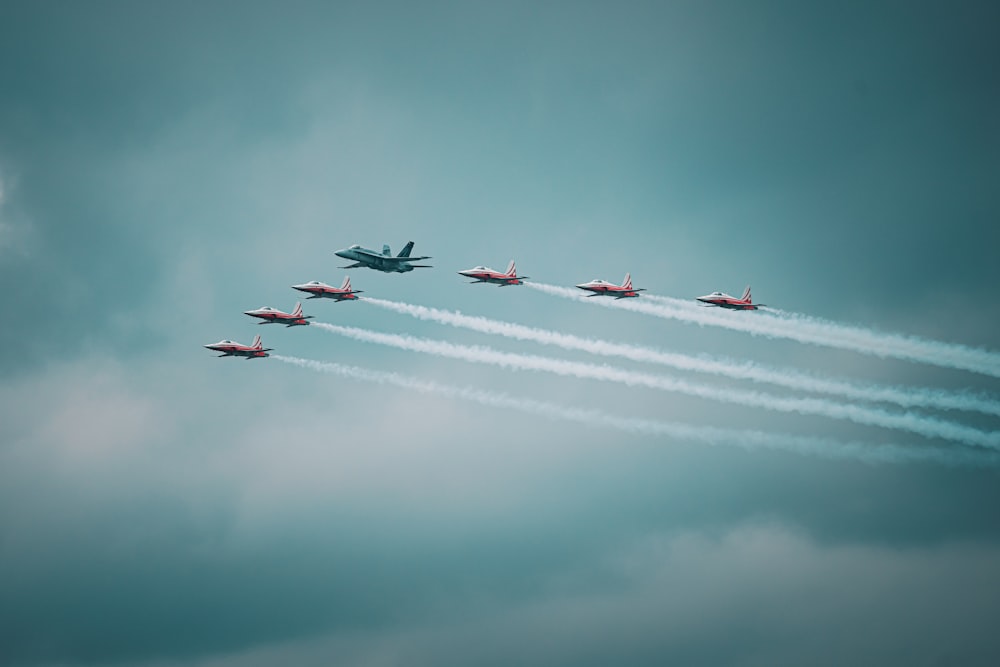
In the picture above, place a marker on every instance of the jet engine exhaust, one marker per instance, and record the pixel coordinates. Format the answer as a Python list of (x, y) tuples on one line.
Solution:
[(903, 396), (807, 330), (922, 425), (749, 440)]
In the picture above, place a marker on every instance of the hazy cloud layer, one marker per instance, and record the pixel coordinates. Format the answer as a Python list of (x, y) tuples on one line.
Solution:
[(777, 595)]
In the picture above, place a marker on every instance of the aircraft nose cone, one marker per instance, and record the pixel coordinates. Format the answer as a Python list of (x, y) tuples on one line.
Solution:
[(341, 253)]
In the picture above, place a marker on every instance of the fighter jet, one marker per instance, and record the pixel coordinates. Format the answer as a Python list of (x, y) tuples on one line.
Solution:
[(320, 290), (384, 262), (603, 287), (484, 274), (229, 348), (269, 315), (724, 300)]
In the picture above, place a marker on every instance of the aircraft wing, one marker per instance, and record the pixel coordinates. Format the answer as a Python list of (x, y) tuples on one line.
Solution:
[(385, 258), (352, 266)]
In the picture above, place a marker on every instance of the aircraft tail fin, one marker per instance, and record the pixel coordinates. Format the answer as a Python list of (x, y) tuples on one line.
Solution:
[(386, 251), (511, 269), (298, 309), (346, 285), (627, 283), (256, 342), (746, 295), (405, 252)]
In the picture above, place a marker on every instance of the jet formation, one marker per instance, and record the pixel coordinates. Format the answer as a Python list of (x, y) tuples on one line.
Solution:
[(403, 263)]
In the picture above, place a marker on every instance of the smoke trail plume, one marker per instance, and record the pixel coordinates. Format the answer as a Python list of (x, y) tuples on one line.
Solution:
[(804, 330), (749, 440), (922, 425), (904, 397)]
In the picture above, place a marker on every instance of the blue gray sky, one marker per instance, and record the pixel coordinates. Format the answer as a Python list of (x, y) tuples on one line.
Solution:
[(166, 166)]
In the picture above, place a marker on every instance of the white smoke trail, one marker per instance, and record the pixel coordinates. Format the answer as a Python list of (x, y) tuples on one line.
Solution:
[(749, 440), (804, 330), (922, 425), (905, 397)]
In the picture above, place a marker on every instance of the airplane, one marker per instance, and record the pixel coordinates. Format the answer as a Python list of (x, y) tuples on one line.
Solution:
[(483, 274), (229, 348), (384, 262), (731, 302), (269, 315), (320, 290), (603, 287)]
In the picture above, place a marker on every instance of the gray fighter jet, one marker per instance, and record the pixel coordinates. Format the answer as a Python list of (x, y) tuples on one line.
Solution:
[(384, 262)]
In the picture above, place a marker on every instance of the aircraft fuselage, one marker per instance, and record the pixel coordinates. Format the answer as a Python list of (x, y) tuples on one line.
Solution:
[(384, 261)]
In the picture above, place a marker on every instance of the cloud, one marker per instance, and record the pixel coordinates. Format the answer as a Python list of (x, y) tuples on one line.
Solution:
[(753, 594), (253, 527), (14, 229)]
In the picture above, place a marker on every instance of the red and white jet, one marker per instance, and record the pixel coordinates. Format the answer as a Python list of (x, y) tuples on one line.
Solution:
[(604, 288), (320, 290), (723, 300), (269, 315), (483, 274), (229, 348)]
